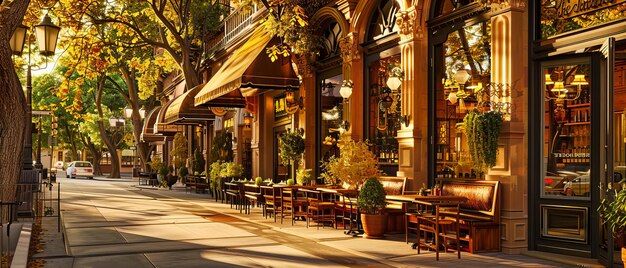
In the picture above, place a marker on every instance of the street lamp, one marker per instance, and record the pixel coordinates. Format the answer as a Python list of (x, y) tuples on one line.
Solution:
[(47, 34), (142, 112), (128, 111)]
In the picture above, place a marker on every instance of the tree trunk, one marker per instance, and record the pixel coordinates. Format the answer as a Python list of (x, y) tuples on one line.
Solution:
[(133, 102), (115, 161), (189, 71), (73, 149), (12, 105), (96, 153)]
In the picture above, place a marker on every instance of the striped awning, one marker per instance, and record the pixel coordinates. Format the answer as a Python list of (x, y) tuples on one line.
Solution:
[(248, 72)]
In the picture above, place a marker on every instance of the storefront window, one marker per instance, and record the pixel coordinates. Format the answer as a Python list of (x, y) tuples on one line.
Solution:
[(384, 114), (567, 131), (332, 115), (465, 61), (561, 16)]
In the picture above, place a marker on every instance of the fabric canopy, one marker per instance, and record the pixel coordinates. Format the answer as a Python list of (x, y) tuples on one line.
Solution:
[(147, 133), (248, 72), (183, 111)]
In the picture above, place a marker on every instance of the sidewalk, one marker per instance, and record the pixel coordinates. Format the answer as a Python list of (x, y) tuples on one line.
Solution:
[(391, 251)]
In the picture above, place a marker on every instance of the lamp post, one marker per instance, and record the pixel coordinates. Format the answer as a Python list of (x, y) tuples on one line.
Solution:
[(47, 34)]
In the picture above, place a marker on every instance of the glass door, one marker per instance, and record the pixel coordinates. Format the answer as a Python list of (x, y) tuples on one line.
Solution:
[(570, 168)]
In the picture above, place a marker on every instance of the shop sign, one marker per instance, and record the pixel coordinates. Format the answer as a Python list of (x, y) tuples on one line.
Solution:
[(280, 107), (572, 155), (571, 8), (229, 123)]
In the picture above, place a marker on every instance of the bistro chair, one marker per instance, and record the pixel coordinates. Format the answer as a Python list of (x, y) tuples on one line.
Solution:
[(252, 196), (272, 201), (320, 209), (293, 204)]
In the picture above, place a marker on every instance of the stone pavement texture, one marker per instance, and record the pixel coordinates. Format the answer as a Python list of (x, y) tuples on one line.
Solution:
[(114, 223)]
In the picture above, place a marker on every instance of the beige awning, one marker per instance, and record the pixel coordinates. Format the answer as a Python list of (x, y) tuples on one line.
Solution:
[(182, 110), (160, 127), (147, 133), (248, 72)]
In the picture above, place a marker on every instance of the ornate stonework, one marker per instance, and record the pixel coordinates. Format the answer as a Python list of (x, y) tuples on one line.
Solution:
[(500, 6), (348, 48), (410, 23), (304, 68)]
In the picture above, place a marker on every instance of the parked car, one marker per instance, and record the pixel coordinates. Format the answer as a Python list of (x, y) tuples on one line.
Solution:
[(79, 169), (578, 186), (59, 165)]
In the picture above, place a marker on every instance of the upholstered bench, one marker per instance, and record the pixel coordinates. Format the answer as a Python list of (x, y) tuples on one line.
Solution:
[(480, 216), (394, 209)]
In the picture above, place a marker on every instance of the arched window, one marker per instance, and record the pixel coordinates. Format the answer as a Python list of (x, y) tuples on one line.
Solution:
[(330, 41), (383, 20)]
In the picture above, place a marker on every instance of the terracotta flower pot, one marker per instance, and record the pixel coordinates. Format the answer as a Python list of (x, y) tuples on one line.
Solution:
[(623, 254), (374, 226)]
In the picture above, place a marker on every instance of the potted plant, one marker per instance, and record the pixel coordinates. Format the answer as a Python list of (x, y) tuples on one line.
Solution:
[(197, 162), (258, 181), (162, 171), (371, 202), (613, 215), (355, 164), (304, 176), (291, 148), (214, 178), (182, 173)]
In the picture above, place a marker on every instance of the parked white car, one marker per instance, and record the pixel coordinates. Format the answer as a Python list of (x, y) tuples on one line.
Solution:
[(79, 169), (59, 165)]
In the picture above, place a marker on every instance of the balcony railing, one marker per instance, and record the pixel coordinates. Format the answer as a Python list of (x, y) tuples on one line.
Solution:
[(234, 26)]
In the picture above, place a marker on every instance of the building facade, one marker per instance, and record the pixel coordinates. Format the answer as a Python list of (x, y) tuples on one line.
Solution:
[(552, 69)]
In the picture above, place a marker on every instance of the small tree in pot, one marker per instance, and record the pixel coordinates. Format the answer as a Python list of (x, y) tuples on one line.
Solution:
[(371, 202)]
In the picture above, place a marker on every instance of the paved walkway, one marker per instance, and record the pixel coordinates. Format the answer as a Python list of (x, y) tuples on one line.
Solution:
[(113, 223)]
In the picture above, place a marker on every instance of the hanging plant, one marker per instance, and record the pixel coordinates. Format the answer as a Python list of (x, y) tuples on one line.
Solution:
[(483, 131)]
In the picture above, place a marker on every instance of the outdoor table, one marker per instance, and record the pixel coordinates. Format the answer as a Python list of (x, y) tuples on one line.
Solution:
[(351, 196), (435, 202)]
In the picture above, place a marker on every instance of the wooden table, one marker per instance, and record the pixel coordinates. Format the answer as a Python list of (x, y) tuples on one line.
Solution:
[(436, 202)]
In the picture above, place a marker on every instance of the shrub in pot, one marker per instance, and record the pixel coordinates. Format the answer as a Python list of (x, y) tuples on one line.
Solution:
[(162, 171), (171, 180), (182, 173), (613, 215), (304, 176), (371, 202)]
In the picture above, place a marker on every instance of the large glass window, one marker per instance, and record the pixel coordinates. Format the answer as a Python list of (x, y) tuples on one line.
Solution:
[(464, 68), (384, 114), (332, 115), (567, 130)]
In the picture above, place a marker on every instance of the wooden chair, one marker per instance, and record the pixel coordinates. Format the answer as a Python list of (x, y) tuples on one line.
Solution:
[(320, 209), (252, 196), (234, 193), (272, 201), (293, 205)]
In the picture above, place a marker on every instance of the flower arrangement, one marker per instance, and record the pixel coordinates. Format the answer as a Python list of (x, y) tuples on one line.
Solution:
[(483, 131), (355, 164)]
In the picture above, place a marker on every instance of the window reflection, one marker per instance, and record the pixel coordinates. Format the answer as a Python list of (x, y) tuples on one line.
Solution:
[(567, 131)]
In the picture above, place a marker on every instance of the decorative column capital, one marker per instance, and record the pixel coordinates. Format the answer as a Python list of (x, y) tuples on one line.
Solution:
[(348, 48), (410, 23), (501, 6), (304, 67)]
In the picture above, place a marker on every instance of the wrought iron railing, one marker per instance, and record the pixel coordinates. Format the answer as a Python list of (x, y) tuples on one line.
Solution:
[(235, 25)]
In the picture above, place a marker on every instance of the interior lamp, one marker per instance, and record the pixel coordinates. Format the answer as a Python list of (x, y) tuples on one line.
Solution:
[(346, 89), (395, 78), (579, 80), (548, 80), (461, 76)]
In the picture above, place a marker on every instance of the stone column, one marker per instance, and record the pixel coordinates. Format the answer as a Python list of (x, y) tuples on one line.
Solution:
[(412, 138), (509, 65), (352, 69)]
